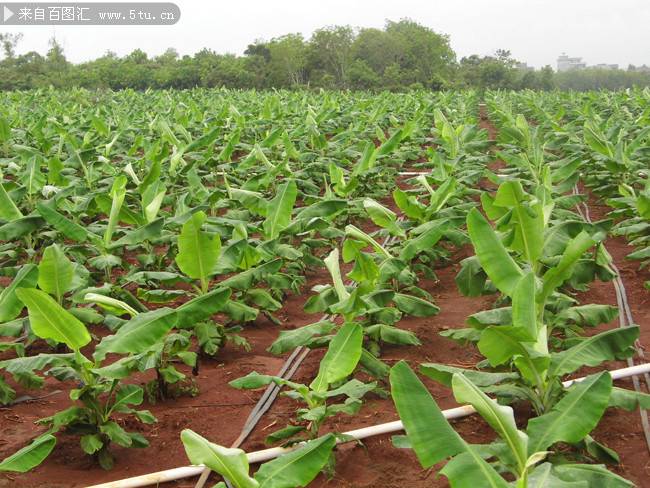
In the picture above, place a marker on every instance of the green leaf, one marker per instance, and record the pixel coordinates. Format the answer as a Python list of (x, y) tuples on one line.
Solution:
[(10, 304), (444, 374), (574, 416), (424, 241), (118, 192), (67, 227), (8, 209), (198, 251), (49, 320), (431, 436), (417, 307), (595, 475), (524, 315), (278, 214), (558, 274), (383, 217), (608, 345), (528, 220), (299, 467), (55, 272), (232, 464), (202, 307), (332, 264), (408, 204), (493, 256), (20, 227), (629, 400), (138, 334), (542, 477), (127, 395), (499, 417), (147, 232), (91, 443), (341, 358), (290, 339), (29, 456)]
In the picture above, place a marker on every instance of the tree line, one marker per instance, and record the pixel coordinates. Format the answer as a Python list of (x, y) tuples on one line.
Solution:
[(404, 55)]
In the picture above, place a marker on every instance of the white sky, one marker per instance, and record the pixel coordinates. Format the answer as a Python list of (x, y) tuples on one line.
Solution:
[(536, 31)]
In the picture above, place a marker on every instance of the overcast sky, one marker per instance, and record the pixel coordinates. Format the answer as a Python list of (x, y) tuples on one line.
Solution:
[(536, 31)]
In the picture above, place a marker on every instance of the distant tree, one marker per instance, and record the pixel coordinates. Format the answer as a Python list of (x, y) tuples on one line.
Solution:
[(9, 42), (288, 60), (330, 53)]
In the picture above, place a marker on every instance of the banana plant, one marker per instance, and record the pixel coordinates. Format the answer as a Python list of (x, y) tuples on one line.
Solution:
[(522, 342), (97, 399), (149, 342), (296, 468), (527, 457), (340, 361)]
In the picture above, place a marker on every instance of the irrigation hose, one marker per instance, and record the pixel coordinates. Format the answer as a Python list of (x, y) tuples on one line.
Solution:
[(175, 474)]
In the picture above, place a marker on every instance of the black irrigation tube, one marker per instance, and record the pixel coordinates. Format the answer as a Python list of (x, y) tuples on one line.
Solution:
[(625, 319)]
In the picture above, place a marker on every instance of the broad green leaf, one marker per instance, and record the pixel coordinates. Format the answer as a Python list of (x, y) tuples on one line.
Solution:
[(499, 417), (629, 400), (202, 307), (299, 467), (592, 351), (574, 416), (558, 274), (278, 215), (415, 306), (495, 260), (290, 339), (470, 470), (29, 456), (358, 234), (341, 358), (138, 334), (595, 475), (431, 436), (18, 228), (67, 227), (524, 313), (542, 477), (529, 221), (8, 209), (383, 217), (408, 204), (232, 464), (147, 232), (444, 374), (198, 251), (91, 443), (424, 241), (49, 320), (10, 304), (55, 272)]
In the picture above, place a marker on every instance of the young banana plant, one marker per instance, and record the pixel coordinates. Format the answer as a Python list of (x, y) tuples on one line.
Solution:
[(296, 468), (525, 456)]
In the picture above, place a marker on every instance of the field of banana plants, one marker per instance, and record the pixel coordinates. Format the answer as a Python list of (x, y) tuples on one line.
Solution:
[(235, 282)]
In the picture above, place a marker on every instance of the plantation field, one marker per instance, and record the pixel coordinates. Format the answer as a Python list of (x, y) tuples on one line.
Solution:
[(171, 258)]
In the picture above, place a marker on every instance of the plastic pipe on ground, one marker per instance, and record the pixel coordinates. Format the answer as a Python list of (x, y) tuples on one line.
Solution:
[(358, 434)]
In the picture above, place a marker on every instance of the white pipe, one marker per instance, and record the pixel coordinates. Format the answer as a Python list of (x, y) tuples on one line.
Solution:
[(413, 173), (358, 434)]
